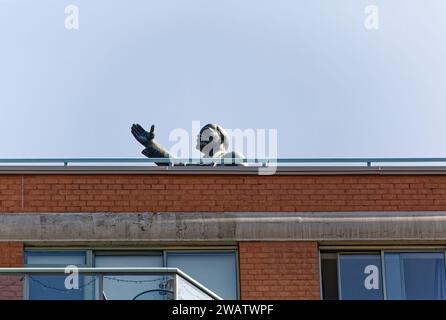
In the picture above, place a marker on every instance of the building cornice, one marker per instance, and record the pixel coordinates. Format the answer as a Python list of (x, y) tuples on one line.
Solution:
[(226, 227)]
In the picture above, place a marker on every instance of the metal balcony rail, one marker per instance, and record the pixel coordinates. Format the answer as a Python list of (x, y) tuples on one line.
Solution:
[(248, 161), (101, 284)]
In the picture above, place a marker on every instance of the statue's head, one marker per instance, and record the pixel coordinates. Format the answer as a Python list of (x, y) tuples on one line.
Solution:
[(212, 138)]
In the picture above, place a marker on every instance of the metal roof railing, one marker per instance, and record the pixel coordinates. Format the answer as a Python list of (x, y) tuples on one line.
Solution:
[(192, 161)]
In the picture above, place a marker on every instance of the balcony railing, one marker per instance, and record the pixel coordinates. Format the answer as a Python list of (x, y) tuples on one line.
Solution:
[(101, 284)]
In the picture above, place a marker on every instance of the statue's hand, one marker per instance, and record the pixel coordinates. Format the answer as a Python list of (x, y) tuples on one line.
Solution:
[(143, 137)]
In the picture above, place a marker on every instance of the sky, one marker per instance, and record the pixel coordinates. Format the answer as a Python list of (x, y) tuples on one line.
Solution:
[(308, 68)]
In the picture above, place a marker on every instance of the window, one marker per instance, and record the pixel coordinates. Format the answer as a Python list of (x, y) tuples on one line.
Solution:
[(36, 258), (118, 287), (329, 270), (383, 275), (360, 277), (415, 276), (51, 287), (216, 270)]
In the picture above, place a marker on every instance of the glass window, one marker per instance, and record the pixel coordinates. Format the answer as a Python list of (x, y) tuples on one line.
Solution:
[(329, 269), (129, 261), (360, 277), (56, 258), (52, 287), (137, 287), (217, 271), (415, 275), (49, 287)]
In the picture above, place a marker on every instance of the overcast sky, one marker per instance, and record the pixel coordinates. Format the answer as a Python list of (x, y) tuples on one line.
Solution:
[(308, 68)]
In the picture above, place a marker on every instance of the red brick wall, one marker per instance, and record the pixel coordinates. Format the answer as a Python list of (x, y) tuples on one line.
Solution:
[(279, 270), (11, 255), (119, 193)]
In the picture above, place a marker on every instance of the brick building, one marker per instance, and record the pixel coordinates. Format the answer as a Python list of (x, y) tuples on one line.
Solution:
[(304, 233)]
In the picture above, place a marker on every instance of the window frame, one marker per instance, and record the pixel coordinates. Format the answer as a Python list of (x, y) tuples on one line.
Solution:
[(358, 250), (55, 252)]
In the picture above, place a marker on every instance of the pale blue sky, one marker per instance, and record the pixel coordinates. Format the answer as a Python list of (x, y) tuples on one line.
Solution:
[(306, 67)]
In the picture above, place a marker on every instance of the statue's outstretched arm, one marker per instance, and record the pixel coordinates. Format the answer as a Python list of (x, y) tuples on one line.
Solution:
[(152, 148)]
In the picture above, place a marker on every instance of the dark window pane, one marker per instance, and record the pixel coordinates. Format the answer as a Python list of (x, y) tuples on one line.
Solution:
[(329, 269), (415, 276), (360, 277)]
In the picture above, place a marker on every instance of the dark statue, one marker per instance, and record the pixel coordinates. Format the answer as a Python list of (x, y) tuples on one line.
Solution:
[(212, 141)]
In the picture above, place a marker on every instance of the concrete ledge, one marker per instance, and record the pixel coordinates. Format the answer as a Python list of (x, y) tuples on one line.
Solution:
[(203, 170), (222, 227)]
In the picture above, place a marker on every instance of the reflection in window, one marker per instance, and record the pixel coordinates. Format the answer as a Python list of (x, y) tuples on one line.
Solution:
[(415, 276), (360, 277)]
